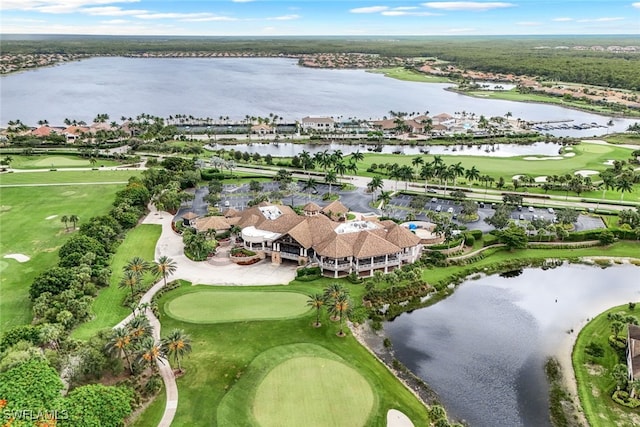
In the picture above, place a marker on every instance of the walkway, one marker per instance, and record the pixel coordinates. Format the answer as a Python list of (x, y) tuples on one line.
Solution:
[(170, 244)]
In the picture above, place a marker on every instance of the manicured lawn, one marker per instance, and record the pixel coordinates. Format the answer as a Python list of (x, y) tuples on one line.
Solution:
[(107, 307), (68, 177), (595, 384), (30, 225), (231, 306), (223, 355), (300, 384), (401, 73), (56, 161)]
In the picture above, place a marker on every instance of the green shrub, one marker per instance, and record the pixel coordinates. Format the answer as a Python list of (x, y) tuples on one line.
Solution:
[(386, 342), (622, 397), (489, 239), (594, 349), (469, 240)]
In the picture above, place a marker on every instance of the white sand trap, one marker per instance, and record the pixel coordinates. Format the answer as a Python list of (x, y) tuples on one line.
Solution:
[(51, 216), (517, 176), (5, 208), (18, 257), (396, 418), (586, 172), (608, 162), (68, 193), (543, 158), (568, 149), (568, 154), (540, 179)]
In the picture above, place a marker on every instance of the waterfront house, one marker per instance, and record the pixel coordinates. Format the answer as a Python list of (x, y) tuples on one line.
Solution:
[(633, 352), (317, 124)]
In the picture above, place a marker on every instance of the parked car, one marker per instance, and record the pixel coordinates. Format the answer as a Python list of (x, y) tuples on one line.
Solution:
[(432, 191), (481, 205), (433, 200), (519, 208), (450, 210), (550, 210), (531, 209), (521, 217), (226, 204), (439, 208)]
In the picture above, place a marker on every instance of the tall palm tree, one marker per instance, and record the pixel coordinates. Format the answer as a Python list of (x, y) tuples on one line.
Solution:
[(456, 170), (472, 174), (137, 265), (342, 308), (65, 219), (331, 178), (427, 172), (340, 167), (308, 186), (74, 220), (130, 280), (417, 161), (385, 198), (375, 184), (149, 353), (139, 328), (176, 344), (316, 301), (331, 293), (119, 344), (306, 160), (357, 157), (164, 267), (625, 184)]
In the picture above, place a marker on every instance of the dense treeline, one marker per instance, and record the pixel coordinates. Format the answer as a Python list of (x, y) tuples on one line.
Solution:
[(518, 55)]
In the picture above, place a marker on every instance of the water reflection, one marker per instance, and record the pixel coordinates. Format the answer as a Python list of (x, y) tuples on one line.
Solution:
[(483, 348)]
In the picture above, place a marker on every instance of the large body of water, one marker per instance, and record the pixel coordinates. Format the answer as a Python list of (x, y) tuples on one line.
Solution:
[(236, 87), (483, 348)]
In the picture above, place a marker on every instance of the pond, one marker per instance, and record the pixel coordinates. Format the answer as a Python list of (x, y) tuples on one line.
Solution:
[(288, 149), (236, 87), (483, 348)]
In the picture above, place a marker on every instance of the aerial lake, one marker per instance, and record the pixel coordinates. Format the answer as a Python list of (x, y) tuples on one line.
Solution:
[(235, 87), (483, 348)]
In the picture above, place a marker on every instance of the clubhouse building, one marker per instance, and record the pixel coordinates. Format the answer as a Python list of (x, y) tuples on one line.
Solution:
[(323, 237)]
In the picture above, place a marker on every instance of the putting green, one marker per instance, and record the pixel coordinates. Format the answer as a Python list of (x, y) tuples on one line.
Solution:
[(313, 392), (212, 306)]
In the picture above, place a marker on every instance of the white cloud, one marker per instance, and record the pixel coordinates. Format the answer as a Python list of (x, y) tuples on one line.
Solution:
[(529, 23), (210, 19), (467, 5), (459, 30), (370, 9), (284, 18), (115, 21), (636, 5), (396, 12), (562, 19), (605, 19), (55, 6), (405, 8), (111, 11)]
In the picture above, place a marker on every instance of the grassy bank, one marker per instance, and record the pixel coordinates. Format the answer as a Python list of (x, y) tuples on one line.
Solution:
[(400, 73), (68, 177), (107, 307), (57, 161), (593, 374)]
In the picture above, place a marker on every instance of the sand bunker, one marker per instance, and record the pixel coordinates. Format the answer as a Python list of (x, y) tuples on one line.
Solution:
[(5, 208), (68, 193), (540, 179), (517, 176), (396, 418), (608, 162), (542, 158), (586, 172), (568, 154), (568, 149), (18, 257), (51, 216)]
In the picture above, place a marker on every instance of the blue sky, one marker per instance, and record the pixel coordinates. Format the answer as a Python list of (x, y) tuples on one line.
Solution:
[(319, 17)]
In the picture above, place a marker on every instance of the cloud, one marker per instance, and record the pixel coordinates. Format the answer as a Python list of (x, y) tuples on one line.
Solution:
[(459, 30), (605, 19), (467, 5), (636, 5), (115, 21), (284, 18), (185, 17), (55, 6), (396, 12), (111, 11), (370, 9), (214, 18), (529, 23), (562, 19)]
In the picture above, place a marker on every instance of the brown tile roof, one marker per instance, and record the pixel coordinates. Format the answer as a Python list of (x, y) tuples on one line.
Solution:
[(43, 131), (302, 234), (384, 124), (336, 246), (231, 212), (217, 223), (75, 130), (317, 120), (335, 207), (189, 215), (369, 245), (311, 207), (402, 237), (443, 116)]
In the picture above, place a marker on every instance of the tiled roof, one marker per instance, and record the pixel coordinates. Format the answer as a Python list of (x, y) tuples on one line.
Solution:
[(401, 237), (369, 245), (335, 207), (217, 223), (311, 207), (189, 215)]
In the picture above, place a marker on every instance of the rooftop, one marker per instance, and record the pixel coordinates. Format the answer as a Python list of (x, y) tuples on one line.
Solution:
[(355, 226), (270, 212)]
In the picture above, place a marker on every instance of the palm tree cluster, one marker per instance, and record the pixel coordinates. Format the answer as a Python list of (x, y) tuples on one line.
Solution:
[(335, 298), (134, 341), (66, 219), (135, 269)]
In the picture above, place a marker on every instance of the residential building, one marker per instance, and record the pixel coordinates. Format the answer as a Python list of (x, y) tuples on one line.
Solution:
[(317, 124), (633, 352)]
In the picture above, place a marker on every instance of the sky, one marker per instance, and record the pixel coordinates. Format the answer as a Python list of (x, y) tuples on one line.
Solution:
[(319, 17)]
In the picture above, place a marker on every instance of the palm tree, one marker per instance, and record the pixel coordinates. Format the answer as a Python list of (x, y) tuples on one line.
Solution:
[(357, 157), (331, 178), (308, 186), (306, 160), (119, 344), (139, 328), (74, 220), (65, 219), (625, 184), (149, 353), (427, 172), (342, 307), (316, 301), (340, 167), (417, 161), (472, 174), (137, 265), (375, 184), (384, 198), (176, 344), (130, 280), (331, 293), (456, 171), (164, 267)]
